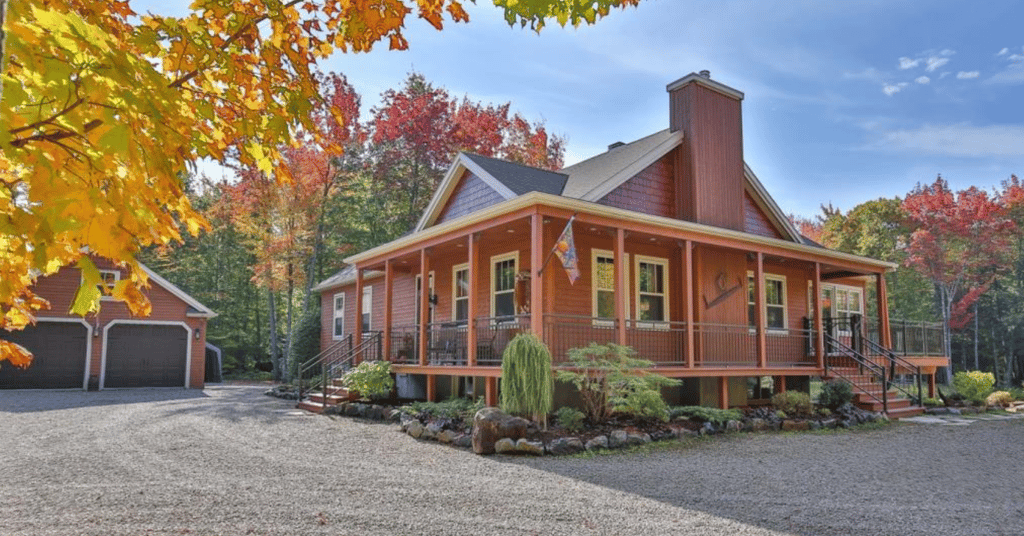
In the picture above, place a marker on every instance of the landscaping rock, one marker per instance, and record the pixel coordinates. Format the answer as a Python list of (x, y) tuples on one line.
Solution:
[(375, 412), (708, 429), (829, 423), (431, 431), (637, 439), (790, 425), (685, 433), (733, 426), (503, 446), (352, 410), (447, 436), (758, 425), (599, 442), (565, 445), (464, 441), (491, 424), (815, 425), (617, 439), (414, 429), (525, 446)]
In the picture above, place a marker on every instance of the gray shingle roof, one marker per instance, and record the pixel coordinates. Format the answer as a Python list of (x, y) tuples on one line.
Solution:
[(592, 172), (519, 178)]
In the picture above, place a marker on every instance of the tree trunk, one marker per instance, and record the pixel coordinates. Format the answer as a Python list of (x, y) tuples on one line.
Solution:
[(946, 342), (272, 324), (976, 365), (288, 337)]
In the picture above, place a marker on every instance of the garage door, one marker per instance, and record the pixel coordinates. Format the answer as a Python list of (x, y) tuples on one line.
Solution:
[(59, 357), (141, 355)]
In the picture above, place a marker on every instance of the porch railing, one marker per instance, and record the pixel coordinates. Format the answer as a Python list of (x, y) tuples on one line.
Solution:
[(909, 337), (661, 342), (405, 344), (494, 333), (724, 345), (562, 332)]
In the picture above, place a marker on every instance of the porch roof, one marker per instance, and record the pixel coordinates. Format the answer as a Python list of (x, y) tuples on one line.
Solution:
[(627, 219)]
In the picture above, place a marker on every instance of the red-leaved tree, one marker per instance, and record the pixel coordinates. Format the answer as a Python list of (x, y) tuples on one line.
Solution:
[(960, 242)]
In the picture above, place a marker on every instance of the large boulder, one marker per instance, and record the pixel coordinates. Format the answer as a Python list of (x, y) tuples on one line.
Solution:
[(492, 424)]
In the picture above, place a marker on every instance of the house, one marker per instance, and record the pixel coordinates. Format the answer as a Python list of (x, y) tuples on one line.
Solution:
[(111, 349), (682, 255)]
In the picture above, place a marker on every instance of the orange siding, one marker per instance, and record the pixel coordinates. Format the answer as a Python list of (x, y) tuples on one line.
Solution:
[(60, 289), (651, 191), (470, 195), (756, 222)]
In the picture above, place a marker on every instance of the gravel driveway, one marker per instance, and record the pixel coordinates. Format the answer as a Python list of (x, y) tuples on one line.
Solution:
[(229, 460)]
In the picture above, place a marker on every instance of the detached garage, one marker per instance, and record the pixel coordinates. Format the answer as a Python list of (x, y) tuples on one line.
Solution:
[(112, 349)]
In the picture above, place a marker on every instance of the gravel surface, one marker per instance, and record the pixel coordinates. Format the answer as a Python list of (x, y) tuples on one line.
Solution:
[(229, 460)]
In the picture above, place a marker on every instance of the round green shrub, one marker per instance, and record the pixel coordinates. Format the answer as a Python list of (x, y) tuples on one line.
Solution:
[(974, 385), (793, 403), (371, 379), (835, 393)]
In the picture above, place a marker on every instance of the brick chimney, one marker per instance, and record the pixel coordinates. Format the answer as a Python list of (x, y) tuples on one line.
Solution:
[(709, 166)]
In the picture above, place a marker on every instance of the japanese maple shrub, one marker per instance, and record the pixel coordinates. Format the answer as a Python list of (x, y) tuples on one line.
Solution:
[(610, 378)]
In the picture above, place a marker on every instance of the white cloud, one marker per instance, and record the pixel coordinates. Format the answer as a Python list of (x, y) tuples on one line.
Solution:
[(955, 140), (1013, 74), (945, 74), (935, 62), (1015, 57), (967, 75), (907, 63), (892, 89), (922, 80), (1003, 52), (947, 52)]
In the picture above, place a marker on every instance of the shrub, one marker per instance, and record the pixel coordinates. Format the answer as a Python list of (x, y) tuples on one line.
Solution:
[(793, 403), (610, 378), (371, 379), (974, 385), (454, 409), (932, 402), (1017, 393), (999, 398), (570, 418), (527, 387), (714, 416), (835, 393)]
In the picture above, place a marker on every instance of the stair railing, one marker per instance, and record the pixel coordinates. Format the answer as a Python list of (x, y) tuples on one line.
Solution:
[(337, 358), (840, 349), (895, 362)]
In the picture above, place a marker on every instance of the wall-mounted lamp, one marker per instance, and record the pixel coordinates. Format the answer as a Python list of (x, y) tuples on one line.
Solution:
[(433, 299), (199, 333)]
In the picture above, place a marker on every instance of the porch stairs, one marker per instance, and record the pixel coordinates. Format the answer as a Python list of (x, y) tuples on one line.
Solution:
[(870, 372), (319, 379)]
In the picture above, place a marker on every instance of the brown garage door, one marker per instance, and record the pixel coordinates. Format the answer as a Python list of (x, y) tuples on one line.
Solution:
[(141, 355), (59, 357)]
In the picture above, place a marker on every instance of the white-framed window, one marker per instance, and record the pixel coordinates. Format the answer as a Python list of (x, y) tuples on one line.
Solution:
[(339, 315), (109, 278), (503, 285), (651, 297), (774, 302), (366, 309), (602, 273), (460, 293), (840, 301), (419, 287)]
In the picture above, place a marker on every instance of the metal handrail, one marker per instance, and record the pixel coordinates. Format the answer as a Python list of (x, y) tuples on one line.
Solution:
[(877, 370), (894, 360), (338, 356)]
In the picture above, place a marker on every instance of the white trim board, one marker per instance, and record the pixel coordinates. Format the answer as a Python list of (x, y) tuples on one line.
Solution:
[(188, 344)]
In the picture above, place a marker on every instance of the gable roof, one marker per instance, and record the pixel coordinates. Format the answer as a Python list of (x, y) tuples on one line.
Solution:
[(195, 309), (345, 276), (770, 207), (593, 178)]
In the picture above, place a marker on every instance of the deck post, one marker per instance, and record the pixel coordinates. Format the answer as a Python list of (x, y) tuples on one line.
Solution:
[(424, 307), (819, 334), (358, 338), (536, 286), (723, 392), (688, 298), (389, 288), (474, 274), (491, 391), (884, 334), (621, 286), (759, 311), (431, 388), (931, 384)]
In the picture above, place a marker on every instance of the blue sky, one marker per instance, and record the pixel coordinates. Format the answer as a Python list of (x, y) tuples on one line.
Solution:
[(845, 101)]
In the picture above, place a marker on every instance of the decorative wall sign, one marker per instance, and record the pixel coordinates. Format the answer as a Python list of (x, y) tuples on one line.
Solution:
[(721, 280)]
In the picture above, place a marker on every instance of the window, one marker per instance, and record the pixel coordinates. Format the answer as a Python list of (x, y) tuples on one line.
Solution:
[(367, 309), (460, 293), (774, 301), (651, 289), (419, 288), (602, 273), (109, 278), (339, 315), (503, 285)]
